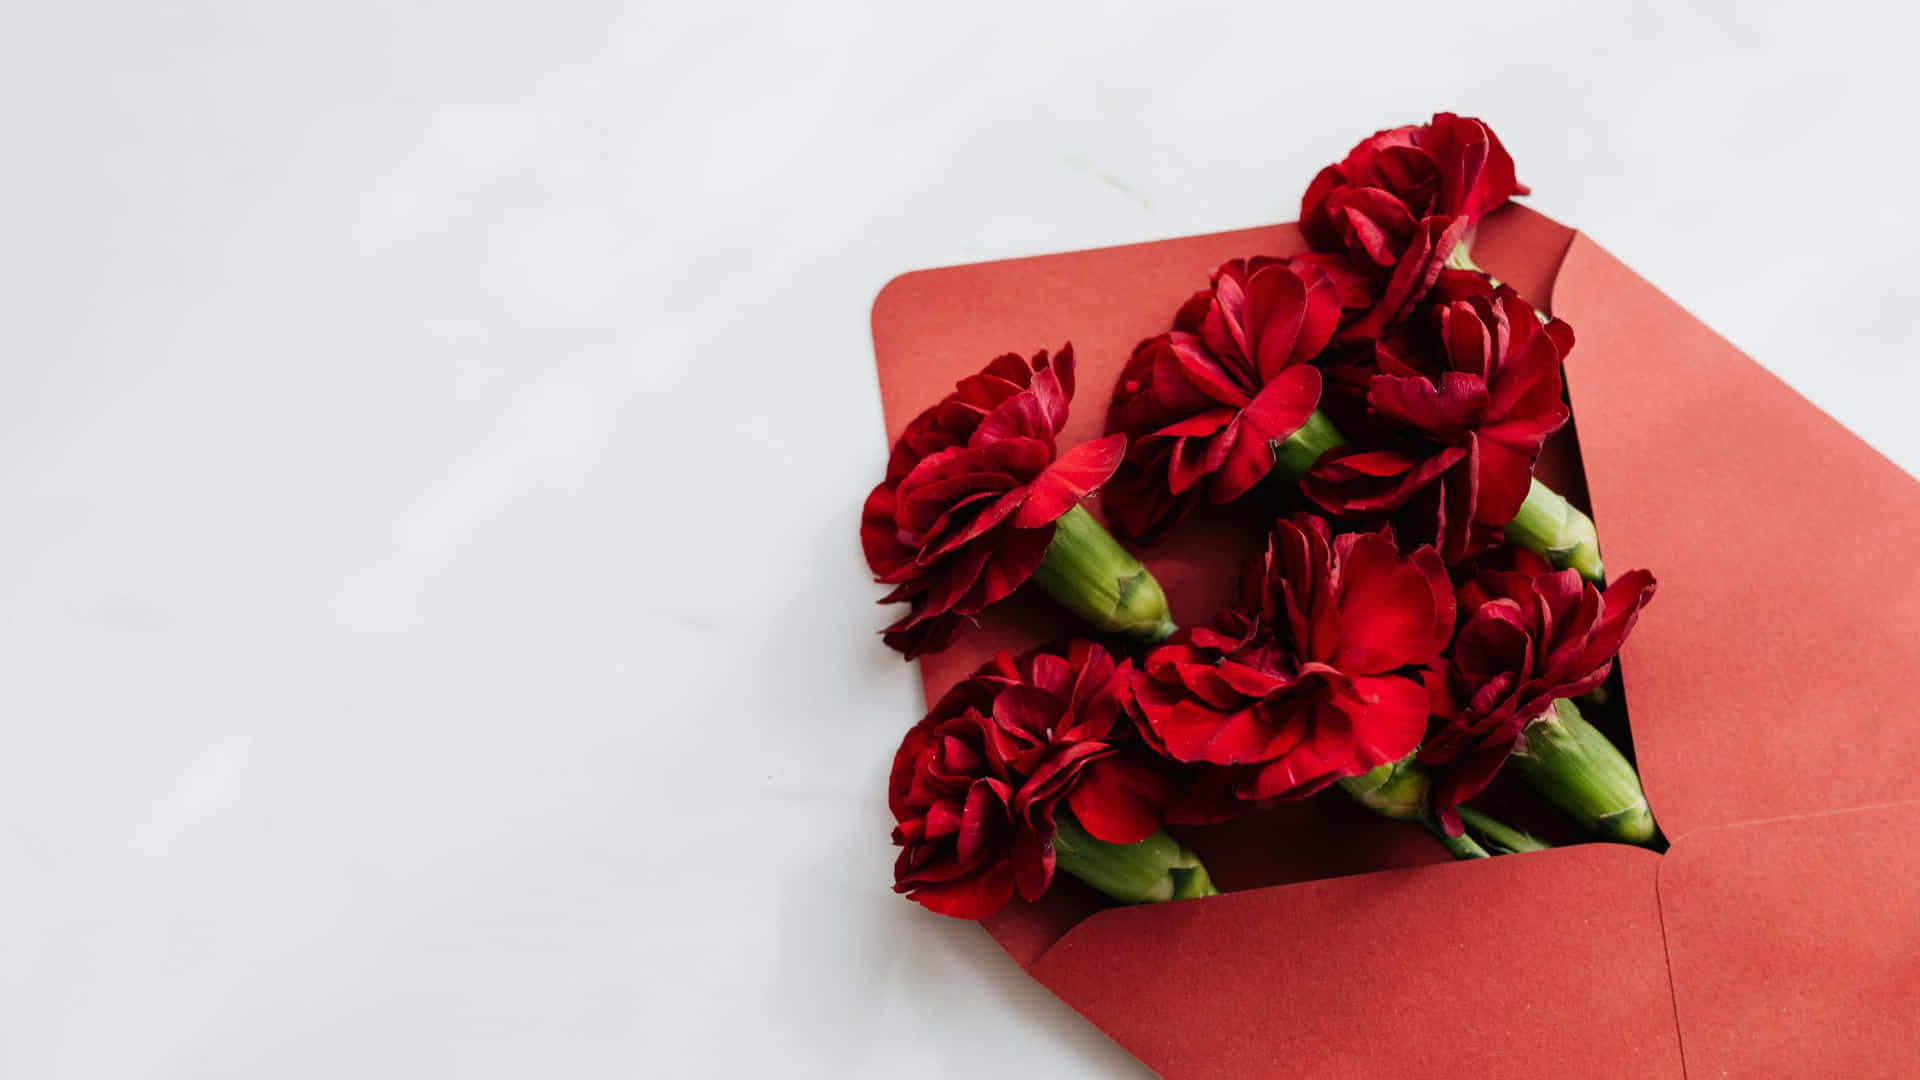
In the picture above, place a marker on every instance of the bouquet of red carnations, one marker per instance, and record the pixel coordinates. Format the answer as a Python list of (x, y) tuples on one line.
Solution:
[(1425, 610)]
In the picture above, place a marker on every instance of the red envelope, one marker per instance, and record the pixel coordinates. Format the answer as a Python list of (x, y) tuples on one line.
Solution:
[(1771, 687)]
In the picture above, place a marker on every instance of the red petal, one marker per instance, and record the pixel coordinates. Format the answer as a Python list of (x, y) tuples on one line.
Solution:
[(1138, 503), (1466, 778), (1312, 763), (918, 742), (928, 635), (1469, 346), (1121, 801), (1386, 609), (1187, 464), (1528, 382), (1019, 417), (975, 896), (1490, 645), (1389, 724), (1053, 385), (1276, 311), (1447, 410), (1282, 406), (1205, 372), (983, 821), (1505, 477), (1621, 605), (1032, 859), (1069, 479), (1011, 566), (1027, 709), (879, 537)]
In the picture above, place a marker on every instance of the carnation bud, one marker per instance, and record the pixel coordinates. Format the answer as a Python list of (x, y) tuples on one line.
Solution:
[(1569, 761), (1156, 869), (1400, 790), (1396, 790), (1295, 455), (1550, 525), (1087, 572)]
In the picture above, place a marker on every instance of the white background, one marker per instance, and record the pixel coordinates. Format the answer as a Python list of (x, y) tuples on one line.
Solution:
[(432, 438)]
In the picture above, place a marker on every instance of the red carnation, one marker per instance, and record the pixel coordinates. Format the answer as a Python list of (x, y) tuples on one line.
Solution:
[(1313, 677), (1401, 201), (1534, 637), (1462, 409), (1451, 167), (972, 491), (977, 784), (1203, 405)]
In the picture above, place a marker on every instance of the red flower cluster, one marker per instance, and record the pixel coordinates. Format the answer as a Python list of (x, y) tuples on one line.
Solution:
[(1202, 406), (1315, 675), (972, 490), (1527, 637), (1401, 632), (1460, 410), (1456, 375), (977, 784)]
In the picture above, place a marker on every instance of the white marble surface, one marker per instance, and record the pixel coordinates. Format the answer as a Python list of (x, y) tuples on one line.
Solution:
[(432, 436)]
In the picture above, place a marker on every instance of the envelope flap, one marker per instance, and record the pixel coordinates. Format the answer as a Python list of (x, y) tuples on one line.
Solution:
[(1795, 945), (1772, 676), (1539, 965)]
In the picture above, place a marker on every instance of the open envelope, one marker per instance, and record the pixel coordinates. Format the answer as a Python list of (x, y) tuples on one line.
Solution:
[(1771, 688)]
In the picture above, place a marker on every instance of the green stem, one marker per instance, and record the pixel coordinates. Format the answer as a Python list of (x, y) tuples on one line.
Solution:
[(1396, 790), (1549, 524), (1463, 846), (1461, 259), (1501, 838), (1087, 572), (1400, 789), (1569, 761), (1295, 454), (1155, 869)]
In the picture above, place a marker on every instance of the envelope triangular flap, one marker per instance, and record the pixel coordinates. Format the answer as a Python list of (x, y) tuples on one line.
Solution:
[(1545, 965), (1795, 945), (1774, 673)]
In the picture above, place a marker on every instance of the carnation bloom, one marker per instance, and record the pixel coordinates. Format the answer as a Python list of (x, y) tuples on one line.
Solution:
[(1314, 677), (1203, 406), (978, 783), (972, 491), (1461, 409), (1453, 166), (1400, 203), (1530, 637)]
